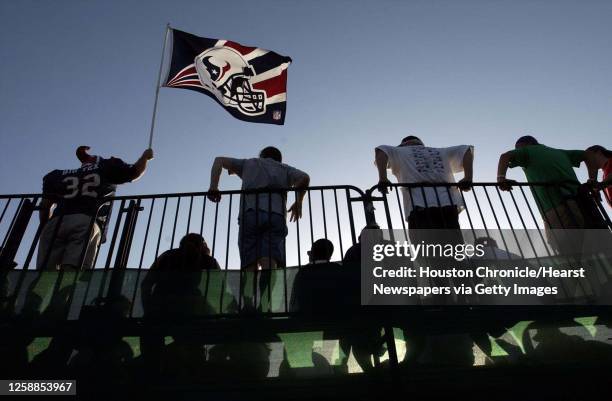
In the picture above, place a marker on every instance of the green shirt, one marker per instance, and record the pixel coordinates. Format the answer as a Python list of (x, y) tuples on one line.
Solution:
[(543, 164)]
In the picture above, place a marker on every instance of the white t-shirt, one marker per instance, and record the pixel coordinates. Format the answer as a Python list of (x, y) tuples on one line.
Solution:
[(259, 173), (421, 164)]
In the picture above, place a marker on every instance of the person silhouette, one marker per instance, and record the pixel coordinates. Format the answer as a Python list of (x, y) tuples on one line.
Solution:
[(72, 233)]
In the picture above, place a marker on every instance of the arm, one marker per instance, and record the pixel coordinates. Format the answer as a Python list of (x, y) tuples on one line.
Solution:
[(302, 184), (605, 183), (502, 168), (296, 209), (45, 211), (590, 159), (218, 165), (593, 170), (468, 168), (382, 161), (140, 166)]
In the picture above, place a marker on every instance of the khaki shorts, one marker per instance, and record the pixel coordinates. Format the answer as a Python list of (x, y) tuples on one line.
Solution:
[(73, 240)]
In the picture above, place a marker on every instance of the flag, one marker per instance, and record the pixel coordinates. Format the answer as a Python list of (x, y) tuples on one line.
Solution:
[(249, 82)]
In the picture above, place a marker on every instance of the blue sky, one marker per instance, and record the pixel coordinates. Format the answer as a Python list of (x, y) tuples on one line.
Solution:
[(364, 73)]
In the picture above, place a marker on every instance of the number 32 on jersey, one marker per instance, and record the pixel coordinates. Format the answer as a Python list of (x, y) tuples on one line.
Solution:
[(85, 186)]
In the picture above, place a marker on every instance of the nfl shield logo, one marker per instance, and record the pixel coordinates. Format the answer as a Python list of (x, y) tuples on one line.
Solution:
[(277, 114)]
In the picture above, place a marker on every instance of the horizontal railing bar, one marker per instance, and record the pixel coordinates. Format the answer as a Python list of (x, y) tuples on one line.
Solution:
[(226, 192), (471, 184), (19, 196), (321, 187)]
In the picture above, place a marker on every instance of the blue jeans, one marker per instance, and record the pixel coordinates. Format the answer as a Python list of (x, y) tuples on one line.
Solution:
[(261, 234)]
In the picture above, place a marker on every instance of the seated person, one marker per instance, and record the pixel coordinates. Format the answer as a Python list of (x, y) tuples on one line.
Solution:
[(365, 344), (352, 257), (170, 290), (177, 273), (352, 264), (316, 287)]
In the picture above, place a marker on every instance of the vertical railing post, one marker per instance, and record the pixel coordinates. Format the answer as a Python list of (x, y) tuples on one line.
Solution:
[(16, 232), (12, 222), (123, 251)]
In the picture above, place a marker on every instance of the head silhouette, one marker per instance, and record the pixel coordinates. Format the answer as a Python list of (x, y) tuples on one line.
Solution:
[(322, 249), (270, 152), (601, 150), (194, 243), (526, 140), (83, 156), (411, 140)]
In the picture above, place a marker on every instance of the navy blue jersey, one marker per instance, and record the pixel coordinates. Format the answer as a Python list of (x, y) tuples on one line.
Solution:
[(83, 190)]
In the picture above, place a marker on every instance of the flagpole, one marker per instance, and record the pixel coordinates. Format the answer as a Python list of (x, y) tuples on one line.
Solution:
[(161, 64)]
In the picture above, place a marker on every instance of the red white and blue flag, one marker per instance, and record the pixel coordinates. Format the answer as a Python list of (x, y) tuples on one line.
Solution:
[(249, 82)]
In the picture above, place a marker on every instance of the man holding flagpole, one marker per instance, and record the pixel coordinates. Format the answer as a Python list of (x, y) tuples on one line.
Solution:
[(71, 233)]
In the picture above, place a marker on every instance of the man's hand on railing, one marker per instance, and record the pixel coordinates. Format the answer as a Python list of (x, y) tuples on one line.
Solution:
[(591, 188), (384, 185), (595, 185), (505, 184), (296, 211), (213, 195), (465, 184)]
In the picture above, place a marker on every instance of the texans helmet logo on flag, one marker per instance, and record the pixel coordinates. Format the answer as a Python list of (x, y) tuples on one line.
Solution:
[(249, 82)]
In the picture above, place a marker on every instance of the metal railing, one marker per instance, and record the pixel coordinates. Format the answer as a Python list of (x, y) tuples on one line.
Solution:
[(140, 228), (485, 206)]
